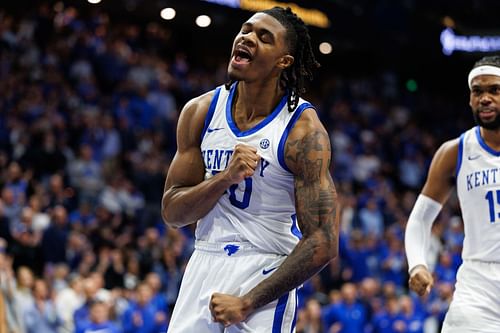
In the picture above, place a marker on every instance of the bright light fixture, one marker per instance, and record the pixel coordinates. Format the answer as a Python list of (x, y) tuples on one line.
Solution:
[(167, 13), (94, 1), (203, 21), (325, 48)]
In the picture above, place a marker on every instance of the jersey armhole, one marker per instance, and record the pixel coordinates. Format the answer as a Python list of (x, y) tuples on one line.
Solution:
[(211, 111), (459, 155), (289, 126)]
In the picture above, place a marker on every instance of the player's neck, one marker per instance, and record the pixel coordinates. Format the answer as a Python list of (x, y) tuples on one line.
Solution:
[(491, 138), (256, 100)]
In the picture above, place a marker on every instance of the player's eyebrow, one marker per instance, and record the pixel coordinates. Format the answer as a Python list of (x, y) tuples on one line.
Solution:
[(485, 86), (260, 31)]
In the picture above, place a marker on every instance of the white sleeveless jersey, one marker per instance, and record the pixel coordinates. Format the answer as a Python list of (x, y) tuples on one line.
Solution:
[(478, 188), (261, 209)]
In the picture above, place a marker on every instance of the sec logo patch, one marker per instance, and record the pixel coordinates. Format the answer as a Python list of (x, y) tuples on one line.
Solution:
[(264, 143)]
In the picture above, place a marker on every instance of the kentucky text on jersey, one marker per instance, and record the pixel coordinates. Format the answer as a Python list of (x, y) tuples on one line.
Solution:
[(216, 159), (482, 178)]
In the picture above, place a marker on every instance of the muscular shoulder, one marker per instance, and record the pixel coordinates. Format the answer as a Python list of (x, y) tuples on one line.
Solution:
[(446, 156), (192, 119), (440, 177), (196, 109), (308, 141)]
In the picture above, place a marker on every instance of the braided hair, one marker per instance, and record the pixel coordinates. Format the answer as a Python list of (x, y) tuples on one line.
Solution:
[(293, 78), (488, 61)]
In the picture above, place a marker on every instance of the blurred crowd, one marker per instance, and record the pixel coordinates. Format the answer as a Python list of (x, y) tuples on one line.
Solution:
[(88, 109)]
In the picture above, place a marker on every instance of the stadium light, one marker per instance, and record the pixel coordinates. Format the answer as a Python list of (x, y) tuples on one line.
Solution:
[(325, 48), (203, 21), (94, 2), (167, 13)]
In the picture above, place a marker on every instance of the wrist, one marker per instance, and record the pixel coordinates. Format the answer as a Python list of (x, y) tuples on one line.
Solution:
[(417, 268), (247, 305), (226, 178)]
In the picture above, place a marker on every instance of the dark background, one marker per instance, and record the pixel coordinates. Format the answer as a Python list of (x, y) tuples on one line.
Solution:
[(368, 36)]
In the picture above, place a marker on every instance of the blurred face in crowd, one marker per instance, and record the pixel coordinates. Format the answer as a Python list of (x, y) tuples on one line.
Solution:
[(258, 49), (90, 287), (144, 294), (40, 290), (154, 281), (14, 171), (406, 304), (25, 277), (485, 101), (349, 293), (99, 312)]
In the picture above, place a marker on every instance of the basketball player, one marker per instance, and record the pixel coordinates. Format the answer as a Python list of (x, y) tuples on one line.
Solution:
[(474, 159), (252, 167)]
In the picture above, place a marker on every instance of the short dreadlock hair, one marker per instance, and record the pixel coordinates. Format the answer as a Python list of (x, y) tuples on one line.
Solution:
[(488, 61), (293, 78)]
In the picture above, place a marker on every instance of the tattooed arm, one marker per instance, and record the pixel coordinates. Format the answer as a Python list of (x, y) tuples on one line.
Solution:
[(307, 155)]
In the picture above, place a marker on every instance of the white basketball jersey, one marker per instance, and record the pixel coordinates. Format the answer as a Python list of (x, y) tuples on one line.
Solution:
[(261, 209), (478, 188)]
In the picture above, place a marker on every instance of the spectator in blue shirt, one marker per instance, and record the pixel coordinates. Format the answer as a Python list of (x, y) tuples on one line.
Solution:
[(393, 261), (445, 271), (348, 315), (390, 319), (41, 316), (357, 256), (142, 316), (98, 320), (414, 321)]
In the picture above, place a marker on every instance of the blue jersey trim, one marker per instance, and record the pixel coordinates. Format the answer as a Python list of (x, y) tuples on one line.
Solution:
[(211, 111), (267, 120), (279, 313), (294, 321), (460, 153), (295, 229), (484, 145), (284, 137)]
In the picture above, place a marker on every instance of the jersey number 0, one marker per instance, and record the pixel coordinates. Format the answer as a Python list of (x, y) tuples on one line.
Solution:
[(245, 201)]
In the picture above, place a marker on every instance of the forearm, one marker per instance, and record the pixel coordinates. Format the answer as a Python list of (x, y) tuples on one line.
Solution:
[(307, 259), (316, 249), (418, 230), (185, 205)]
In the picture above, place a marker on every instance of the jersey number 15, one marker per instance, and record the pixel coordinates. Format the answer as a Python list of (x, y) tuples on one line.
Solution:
[(494, 213)]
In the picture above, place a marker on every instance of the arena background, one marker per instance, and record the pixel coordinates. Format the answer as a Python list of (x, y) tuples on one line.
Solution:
[(89, 98)]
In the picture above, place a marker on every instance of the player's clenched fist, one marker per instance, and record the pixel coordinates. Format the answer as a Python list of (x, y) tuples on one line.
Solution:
[(421, 280), (228, 309), (243, 163)]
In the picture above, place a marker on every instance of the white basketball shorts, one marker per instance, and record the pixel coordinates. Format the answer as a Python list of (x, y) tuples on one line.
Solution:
[(476, 302), (230, 268)]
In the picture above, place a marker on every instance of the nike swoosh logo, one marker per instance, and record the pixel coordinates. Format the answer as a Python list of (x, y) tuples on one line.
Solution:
[(471, 158), (267, 271), (210, 130)]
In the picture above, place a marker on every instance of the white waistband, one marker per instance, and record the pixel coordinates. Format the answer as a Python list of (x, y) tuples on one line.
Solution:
[(482, 262), (228, 248)]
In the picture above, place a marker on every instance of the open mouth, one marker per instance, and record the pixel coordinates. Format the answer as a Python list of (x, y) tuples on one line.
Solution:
[(487, 111), (242, 56)]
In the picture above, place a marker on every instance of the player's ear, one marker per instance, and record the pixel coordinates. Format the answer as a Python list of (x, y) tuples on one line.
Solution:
[(285, 61)]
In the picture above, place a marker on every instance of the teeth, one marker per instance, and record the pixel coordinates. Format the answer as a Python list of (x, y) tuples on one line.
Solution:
[(243, 54)]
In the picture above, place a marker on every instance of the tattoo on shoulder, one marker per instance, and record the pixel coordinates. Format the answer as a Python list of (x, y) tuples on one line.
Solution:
[(315, 201), (307, 154)]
